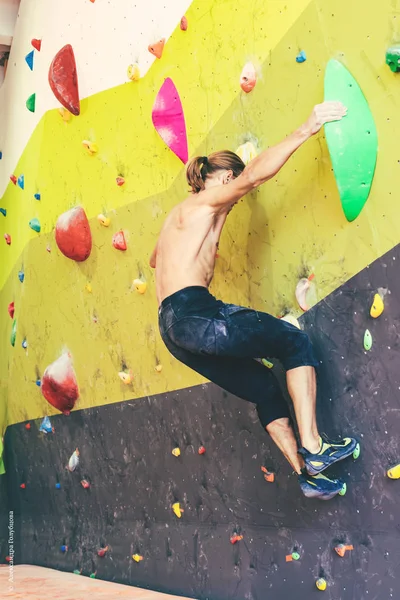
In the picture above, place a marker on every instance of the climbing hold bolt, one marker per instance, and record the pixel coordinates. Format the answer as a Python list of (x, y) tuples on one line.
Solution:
[(102, 552), (133, 72), (118, 240), (36, 196), (377, 307), (105, 221), (235, 538), (29, 59), (120, 181), (11, 309), (248, 78), (157, 48), (184, 23), (394, 472), (58, 486), (321, 584), (201, 450), (35, 225), (3, 211), (27, 426), (137, 557), (21, 276), (268, 475), (91, 147), (126, 378), (341, 549), (73, 461), (393, 58), (64, 548), (367, 340), (7, 237), (13, 179), (267, 363), (176, 507), (176, 452), (37, 44), (140, 286), (85, 484), (301, 57), (31, 103), (21, 182)]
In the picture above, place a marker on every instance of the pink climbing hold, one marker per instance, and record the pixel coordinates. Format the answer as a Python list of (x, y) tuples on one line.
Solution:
[(169, 121), (184, 23), (59, 384), (7, 237), (63, 79), (11, 309), (73, 235), (119, 240), (248, 78)]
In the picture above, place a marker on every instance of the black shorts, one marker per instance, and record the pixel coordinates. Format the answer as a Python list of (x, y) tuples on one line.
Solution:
[(221, 342)]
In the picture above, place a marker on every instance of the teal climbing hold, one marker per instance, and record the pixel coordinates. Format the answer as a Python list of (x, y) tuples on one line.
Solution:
[(21, 276), (29, 59), (352, 141), (301, 57), (13, 332), (367, 340), (21, 182), (393, 58), (31, 103), (1, 155), (36, 196), (3, 211), (35, 225)]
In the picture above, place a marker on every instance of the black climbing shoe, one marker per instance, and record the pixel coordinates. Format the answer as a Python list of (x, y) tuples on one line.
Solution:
[(330, 453)]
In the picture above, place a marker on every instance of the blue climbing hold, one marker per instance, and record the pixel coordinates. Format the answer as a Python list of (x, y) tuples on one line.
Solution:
[(21, 276), (24, 344), (46, 426), (64, 548), (29, 59), (21, 182), (38, 382), (1, 155), (37, 196), (3, 212), (301, 57), (35, 225), (58, 486)]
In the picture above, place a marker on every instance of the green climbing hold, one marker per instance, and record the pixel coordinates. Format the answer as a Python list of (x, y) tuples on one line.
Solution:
[(267, 363), (13, 332), (2, 467), (92, 575), (352, 142), (393, 58), (343, 490), (367, 340), (31, 103), (77, 572), (295, 556), (35, 225), (356, 452)]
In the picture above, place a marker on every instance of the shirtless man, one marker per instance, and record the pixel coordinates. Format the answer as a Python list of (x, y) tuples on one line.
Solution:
[(221, 341)]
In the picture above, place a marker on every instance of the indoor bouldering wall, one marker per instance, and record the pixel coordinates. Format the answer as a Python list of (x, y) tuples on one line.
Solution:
[(104, 490)]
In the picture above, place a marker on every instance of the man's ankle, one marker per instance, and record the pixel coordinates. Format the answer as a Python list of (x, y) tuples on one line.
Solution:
[(313, 445)]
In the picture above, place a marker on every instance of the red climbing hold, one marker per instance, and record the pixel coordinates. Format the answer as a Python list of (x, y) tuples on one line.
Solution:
[(63, 79), (85, 484), (184, 23), (8, 559), (268, 475), (13, 179), (119, 240), (73, 235), (7, 237), (11, 309), (157, 48), (37, 44), (23, 486), (102, 552), (236, 538), (120, 181), (59, 385), (28, 426), (201, 450)]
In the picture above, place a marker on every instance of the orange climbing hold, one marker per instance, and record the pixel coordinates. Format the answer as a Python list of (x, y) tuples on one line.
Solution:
[(157, 48), (236, 538), (102, 552), (119, 240), (127, 378), (120, 181), (7, 237), (184, 23), (268, 476), (11, 309), (248, 78), (341, 549), (37, 44), (85, 484), (28, 426)]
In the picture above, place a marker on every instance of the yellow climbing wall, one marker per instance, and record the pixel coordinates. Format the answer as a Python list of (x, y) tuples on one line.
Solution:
[(291, 227)]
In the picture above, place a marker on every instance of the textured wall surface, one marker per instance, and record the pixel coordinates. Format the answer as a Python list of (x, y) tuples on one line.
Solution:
[(290, 228)]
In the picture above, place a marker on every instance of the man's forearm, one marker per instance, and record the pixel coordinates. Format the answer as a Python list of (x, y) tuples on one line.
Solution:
[(270, 161)]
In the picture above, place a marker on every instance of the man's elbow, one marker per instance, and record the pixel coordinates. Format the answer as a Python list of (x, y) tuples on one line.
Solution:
[(251, 178)]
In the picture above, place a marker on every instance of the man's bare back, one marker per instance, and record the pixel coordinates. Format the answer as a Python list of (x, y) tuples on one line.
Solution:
[(186, 249)]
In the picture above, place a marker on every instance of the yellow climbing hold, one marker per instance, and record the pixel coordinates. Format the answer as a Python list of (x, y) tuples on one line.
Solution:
[(65, 114), (158, 368), (133, 72), (105, 221), (394, 472), (321, 584), (91, 147), (126, 377), (176, 452), (88, 288), (247, 152), (140, 285), (292, 320), (137, 558), (177, 509), (377, 307)]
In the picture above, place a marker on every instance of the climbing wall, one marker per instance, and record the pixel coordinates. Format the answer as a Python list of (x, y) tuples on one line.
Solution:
[(138, 503)]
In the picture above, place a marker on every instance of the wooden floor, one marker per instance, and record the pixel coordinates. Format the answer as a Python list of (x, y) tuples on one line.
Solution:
[(38, 583)]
